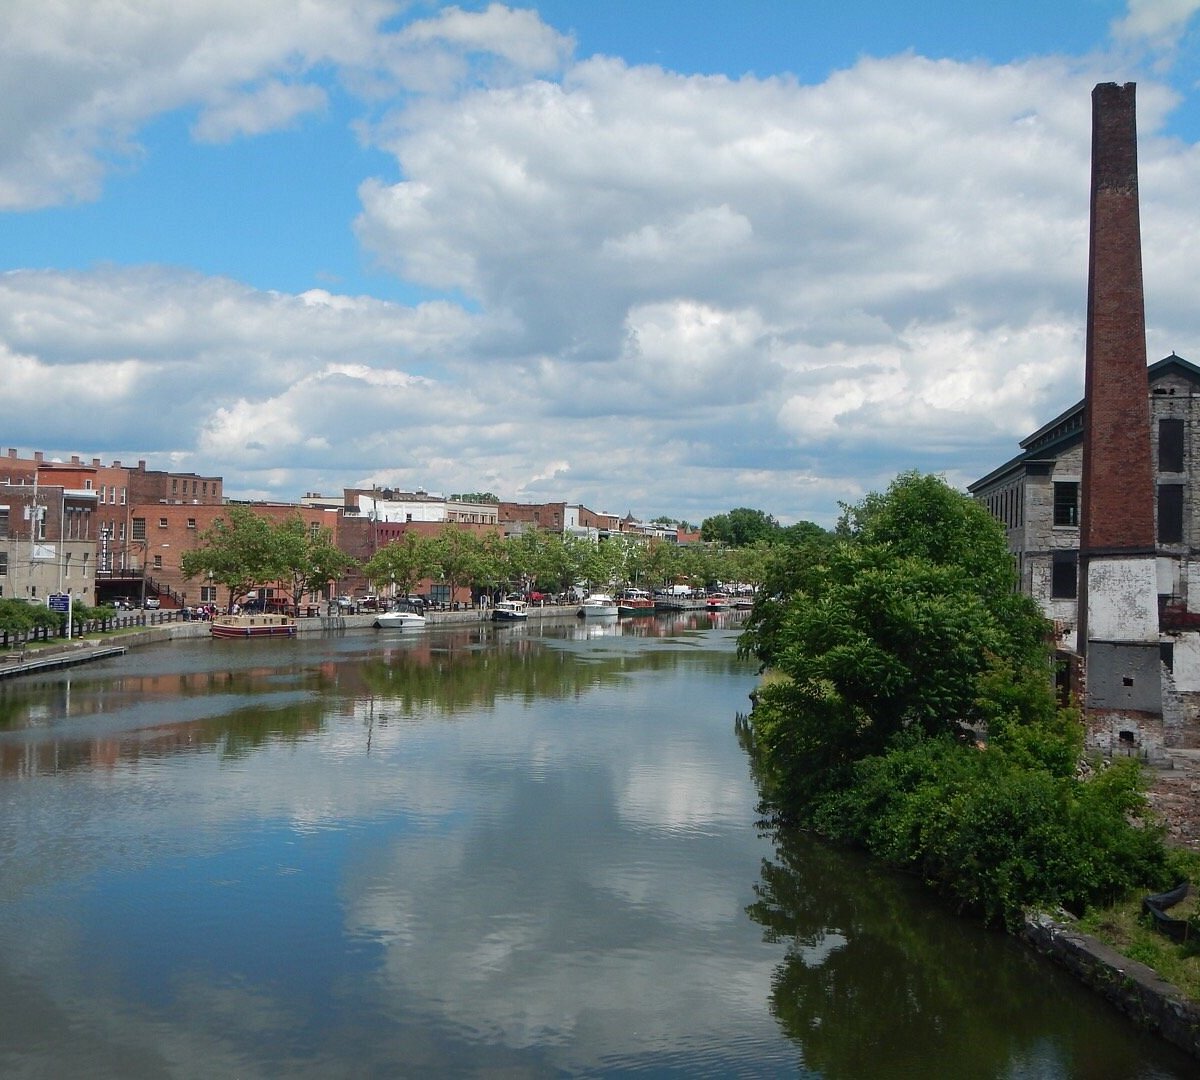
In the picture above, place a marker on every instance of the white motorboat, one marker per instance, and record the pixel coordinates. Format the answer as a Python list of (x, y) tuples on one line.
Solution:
[(511, 610), (597, 604), (399, 618)]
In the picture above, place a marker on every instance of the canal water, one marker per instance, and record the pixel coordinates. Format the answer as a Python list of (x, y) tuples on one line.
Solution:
[(490, 851)]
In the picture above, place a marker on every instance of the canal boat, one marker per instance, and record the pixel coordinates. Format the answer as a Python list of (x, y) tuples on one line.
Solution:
[(253, 624), (510, 610)]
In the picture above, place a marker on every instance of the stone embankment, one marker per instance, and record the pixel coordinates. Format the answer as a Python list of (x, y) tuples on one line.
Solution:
[(1151, 1001)]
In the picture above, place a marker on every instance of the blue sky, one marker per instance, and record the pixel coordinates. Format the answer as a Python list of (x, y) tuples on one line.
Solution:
[(667, 258)]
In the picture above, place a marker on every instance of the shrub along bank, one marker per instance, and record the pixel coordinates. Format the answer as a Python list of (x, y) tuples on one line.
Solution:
[(911, 712)]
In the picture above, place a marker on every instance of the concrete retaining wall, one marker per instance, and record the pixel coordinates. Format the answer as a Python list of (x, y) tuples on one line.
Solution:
[(1151, 1001)]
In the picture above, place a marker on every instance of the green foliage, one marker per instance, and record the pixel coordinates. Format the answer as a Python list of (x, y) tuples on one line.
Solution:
[(739, 527), (994, 835), (17, 617), (243, 551), (402, 563), (238, 551), (894, 646)]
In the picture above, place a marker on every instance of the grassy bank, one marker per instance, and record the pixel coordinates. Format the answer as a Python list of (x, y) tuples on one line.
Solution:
[(1122, 927)]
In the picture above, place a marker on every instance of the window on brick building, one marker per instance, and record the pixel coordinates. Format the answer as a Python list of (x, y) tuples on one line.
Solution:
[(191, 523), (1170, 445), (139, 528), (158, 562), (3, 521), (1064, 576), (1170, 513), (3, 563), (1066, 503), (162, 523)]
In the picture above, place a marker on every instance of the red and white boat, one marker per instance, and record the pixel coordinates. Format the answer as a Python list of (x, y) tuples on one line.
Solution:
[(635, 602)]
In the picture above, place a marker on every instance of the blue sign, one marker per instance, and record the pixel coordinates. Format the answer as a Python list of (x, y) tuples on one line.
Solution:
[(59, 602)]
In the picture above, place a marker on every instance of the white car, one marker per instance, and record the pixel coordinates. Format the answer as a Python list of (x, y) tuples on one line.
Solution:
[(152, 602)]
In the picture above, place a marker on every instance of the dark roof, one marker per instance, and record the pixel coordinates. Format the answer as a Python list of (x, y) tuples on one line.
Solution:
[(1051, 439)]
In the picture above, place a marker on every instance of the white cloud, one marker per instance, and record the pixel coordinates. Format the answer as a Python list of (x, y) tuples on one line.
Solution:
[(1158, 23), (272, 105), (660, 292)]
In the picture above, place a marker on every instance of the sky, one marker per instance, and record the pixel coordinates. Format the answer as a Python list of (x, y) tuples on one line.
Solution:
[(659, 257)]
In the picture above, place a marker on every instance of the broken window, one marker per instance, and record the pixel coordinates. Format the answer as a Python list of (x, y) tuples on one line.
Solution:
[(1170, 513), (1064, 576), (1170, 445), (1066, 503)]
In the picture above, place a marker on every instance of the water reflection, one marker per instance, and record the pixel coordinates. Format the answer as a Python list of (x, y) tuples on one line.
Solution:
[(879, 981), (466, 853), (285, 691)]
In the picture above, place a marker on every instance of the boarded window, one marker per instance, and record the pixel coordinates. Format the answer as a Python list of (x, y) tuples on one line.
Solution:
[(1064, 576), (1066, 503), (1170, 513), (1170, 445)]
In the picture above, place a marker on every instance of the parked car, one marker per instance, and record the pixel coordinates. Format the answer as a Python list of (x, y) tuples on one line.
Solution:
[(153, 602)]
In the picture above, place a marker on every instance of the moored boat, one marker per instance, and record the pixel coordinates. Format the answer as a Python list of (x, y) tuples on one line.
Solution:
[(403, 615), (253, 624), (635, 602), (597, 604), (511, 610)]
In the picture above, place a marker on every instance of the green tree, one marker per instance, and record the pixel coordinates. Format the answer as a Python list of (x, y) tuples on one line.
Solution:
[(457, 557), (663, 563), (403, 562), (308, 560), (893, 651), (894, 628), (739, 527), (239, 551)]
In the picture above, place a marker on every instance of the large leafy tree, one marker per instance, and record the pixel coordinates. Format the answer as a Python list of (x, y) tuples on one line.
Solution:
[(403, 562), (458, 557), (308, 559), (739, 527), (239, 551), (911, 620), (886, 648)]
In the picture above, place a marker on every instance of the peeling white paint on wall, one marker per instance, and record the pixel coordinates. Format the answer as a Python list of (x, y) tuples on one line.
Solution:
[(1122, 600)]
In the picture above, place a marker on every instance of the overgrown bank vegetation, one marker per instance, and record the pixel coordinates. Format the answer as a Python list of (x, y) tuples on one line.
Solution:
[(911, 712)]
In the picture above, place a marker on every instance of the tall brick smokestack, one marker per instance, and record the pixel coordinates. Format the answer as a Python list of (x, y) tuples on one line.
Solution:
[(1118, 603)]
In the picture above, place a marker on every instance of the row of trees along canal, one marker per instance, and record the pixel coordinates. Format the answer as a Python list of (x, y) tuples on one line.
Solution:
[(243, 552)]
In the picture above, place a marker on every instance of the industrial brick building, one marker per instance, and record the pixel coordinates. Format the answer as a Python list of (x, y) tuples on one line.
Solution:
[(1037, 496)]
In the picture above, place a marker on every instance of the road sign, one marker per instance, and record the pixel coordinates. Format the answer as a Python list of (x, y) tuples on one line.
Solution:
[(59, 602)]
